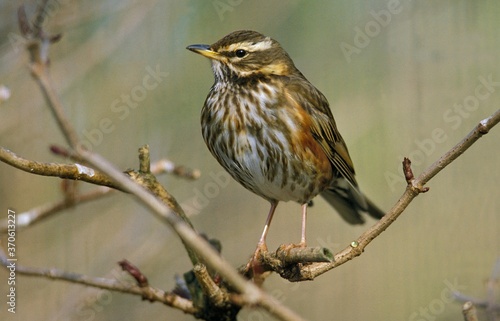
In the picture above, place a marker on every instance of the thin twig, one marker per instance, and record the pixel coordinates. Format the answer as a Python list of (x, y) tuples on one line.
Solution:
[(40, 73), (492, 291), (38, 47), (469, 312), (251, 294), (150, 293), (161, 166), (167, 166), (479, 130), (414, 188), (211, 290), (39, 213), (147, 180), (490, 304), (41, 12), (68, 171)]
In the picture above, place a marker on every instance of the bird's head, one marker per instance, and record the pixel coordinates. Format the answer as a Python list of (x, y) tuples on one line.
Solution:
[(246, 53)]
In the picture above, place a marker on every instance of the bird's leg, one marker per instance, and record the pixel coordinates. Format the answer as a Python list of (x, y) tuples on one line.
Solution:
[(303, 234), (254, 264), (261, 246)]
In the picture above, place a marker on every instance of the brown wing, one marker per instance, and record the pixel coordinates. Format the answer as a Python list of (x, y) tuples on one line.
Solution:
[(343, 194), (323, 127)]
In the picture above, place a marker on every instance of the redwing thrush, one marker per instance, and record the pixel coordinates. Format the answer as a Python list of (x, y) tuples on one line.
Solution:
[(273, 131)]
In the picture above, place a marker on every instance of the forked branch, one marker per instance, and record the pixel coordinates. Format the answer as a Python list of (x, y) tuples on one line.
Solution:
[(414, 188)]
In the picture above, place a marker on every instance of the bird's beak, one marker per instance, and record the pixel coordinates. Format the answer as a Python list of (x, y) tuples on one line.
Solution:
[(204, 50)]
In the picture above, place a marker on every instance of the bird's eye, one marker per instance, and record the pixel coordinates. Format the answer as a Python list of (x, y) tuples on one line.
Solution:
[(240, 53)]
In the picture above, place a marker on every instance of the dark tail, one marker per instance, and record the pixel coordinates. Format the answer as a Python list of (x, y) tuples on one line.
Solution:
[(350, 202)]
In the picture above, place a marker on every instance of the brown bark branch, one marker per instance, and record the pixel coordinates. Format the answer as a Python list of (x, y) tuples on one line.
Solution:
[(67, 171), (38, 48), (414, 188), (39, 213), (482, 128), (161, 166), (251, 294), (211, 290), (167, 166), (148, 292)]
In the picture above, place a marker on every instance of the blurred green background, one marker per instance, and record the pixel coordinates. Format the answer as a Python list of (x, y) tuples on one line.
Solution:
[(402, 79)]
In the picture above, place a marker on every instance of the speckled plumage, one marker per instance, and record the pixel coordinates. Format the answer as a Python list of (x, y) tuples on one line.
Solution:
[(273, 131)]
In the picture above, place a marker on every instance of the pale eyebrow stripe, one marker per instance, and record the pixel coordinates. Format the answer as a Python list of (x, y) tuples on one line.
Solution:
[(250, 46)]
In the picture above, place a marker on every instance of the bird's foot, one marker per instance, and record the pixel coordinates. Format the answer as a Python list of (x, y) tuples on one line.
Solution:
[(254, 268)]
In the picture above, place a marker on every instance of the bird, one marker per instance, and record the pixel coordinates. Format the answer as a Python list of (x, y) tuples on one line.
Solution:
[(274, 132)]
